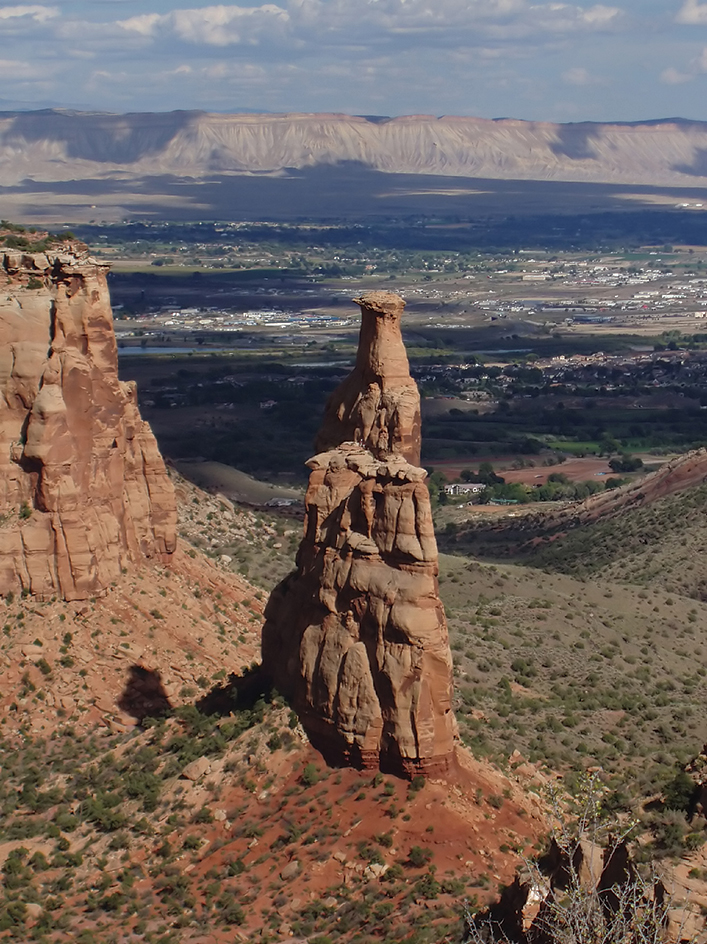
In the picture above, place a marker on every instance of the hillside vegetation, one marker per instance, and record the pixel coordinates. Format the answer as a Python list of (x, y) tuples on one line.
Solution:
[(153, 788), (213, 817), (593, 656), (658, 546)]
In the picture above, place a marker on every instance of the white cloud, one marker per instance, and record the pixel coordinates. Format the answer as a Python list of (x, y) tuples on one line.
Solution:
[(692, 13), (600, 16), (580, 76), (36, 13), (695, 67), (212, 26), (383, 56), (306, 23), (672, 76), (15, 69), (145, 24)]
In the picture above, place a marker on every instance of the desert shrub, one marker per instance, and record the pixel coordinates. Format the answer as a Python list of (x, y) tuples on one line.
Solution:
[(427, 887), (144, 786), (678, 792), (204, 815), (229, 911), (419, 857), (310, 775), (104, 811)]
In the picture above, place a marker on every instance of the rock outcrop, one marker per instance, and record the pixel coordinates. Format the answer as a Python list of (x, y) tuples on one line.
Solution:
[(378, 405), (83, 487), (356, 636)]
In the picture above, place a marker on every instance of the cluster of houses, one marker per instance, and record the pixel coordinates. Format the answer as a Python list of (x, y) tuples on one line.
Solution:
[(465, 489)]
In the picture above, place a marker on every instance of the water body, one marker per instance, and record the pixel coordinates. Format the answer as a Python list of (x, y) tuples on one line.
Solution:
[(331, 363), (499, 350), (129, 351)]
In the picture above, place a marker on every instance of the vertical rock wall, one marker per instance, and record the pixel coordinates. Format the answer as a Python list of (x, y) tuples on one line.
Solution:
[(356, 636), (83, 487)]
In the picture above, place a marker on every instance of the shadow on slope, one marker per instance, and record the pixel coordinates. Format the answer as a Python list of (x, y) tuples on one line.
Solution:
[(106, 139), (574, 141), (144, 695), (351, 191)]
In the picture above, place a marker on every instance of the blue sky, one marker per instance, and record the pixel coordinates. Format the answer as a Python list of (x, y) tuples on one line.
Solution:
[(624, 61)]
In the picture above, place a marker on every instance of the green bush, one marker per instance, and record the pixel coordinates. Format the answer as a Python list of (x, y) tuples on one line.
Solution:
[(678, 792), (419, 857), (310, 775)]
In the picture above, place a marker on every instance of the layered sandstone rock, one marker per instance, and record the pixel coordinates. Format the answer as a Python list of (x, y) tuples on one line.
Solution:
[(378, 405), (356, 636), (83, 488)]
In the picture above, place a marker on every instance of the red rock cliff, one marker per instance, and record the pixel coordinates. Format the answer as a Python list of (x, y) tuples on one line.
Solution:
[(83, 487), (356, 636)]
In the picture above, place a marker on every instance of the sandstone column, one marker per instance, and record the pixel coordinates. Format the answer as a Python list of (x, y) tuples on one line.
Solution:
[(356, 636)]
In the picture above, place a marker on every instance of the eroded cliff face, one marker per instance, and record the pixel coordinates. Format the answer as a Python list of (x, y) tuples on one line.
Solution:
[(83, 487), (356, 636), (51, 145)]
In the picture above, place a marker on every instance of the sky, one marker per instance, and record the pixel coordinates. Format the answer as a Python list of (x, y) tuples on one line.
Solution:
[(626, 61)]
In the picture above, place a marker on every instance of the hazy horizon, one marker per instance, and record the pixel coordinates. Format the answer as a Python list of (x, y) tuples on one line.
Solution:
[(13, 107)]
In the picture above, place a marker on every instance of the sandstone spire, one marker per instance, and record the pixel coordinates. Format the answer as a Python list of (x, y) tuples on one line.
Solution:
[(378, 405), (83, 488), (356, 635)]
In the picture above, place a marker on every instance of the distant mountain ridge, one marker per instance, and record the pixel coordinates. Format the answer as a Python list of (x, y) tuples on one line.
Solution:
[(61, 145)]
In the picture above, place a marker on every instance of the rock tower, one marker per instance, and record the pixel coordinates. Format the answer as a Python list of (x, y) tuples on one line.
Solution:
[(83, 488), (356, 635)]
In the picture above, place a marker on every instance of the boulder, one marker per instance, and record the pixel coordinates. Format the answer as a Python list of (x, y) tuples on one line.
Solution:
[(197, 769), (290, 870)]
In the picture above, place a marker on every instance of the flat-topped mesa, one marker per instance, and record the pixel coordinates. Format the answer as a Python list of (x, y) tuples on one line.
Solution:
[(378, 405), (356, 636), (83, 487)]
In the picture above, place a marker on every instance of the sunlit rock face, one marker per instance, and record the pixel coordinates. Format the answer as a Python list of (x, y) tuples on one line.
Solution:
[(83, 487), (378, 405), (357, 636)]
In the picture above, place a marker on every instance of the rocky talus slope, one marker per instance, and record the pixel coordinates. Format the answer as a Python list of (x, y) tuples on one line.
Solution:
[(357, 636), (83, 487), (57, 145)]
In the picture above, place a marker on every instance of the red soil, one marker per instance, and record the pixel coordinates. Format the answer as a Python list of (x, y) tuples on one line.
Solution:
[(576, 470)]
